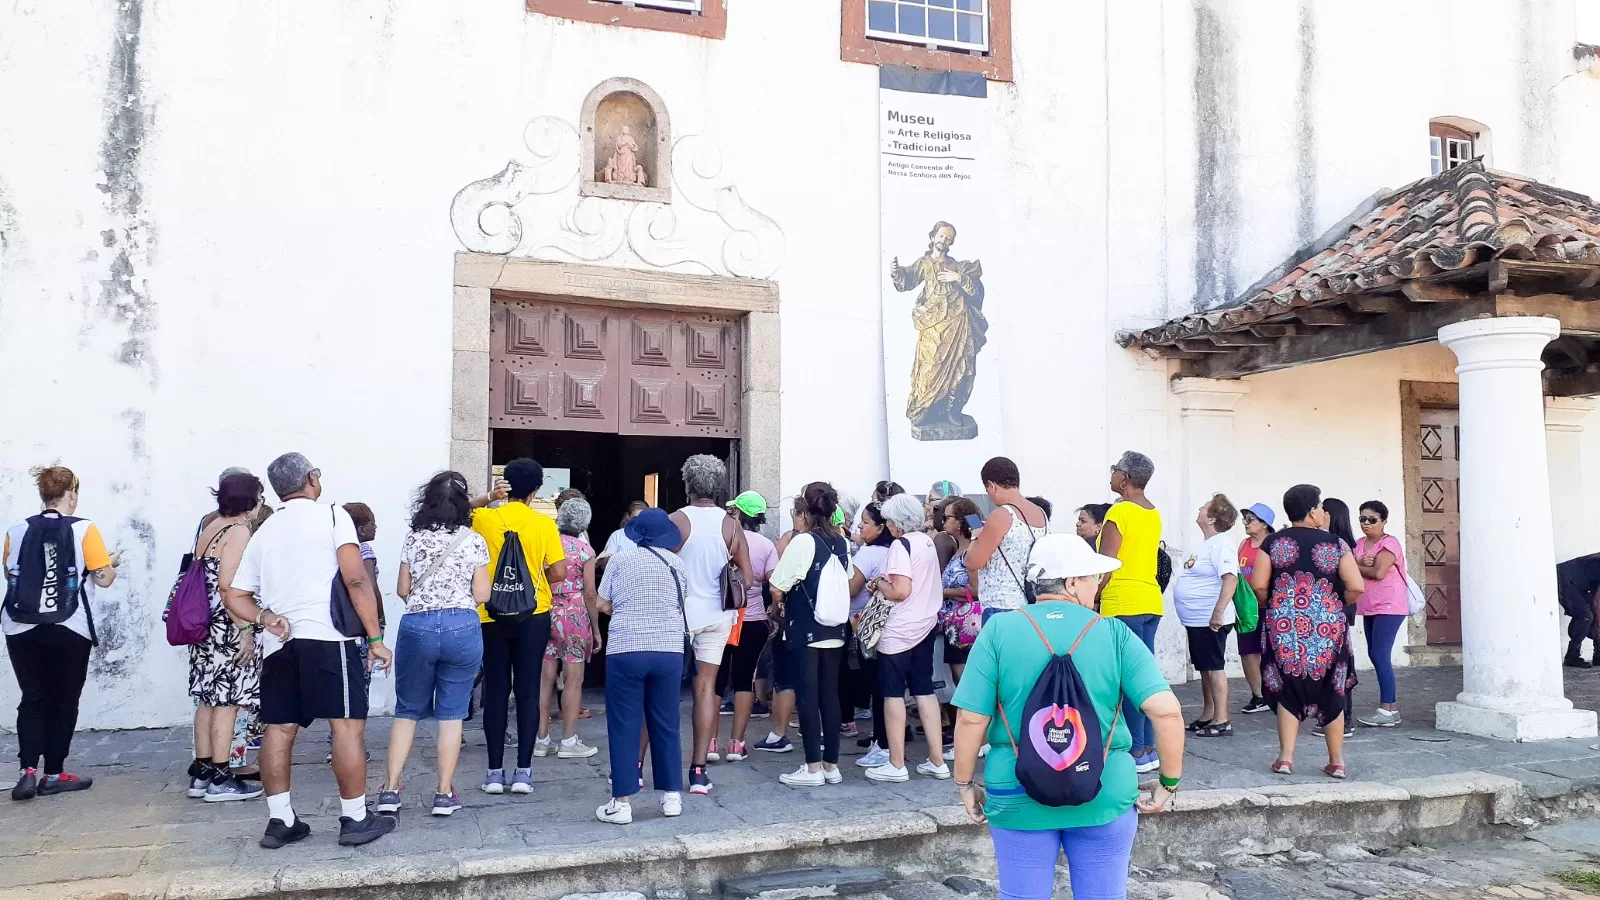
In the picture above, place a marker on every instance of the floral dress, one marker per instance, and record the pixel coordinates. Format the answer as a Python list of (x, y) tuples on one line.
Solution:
[(215, 679), (1307, 665), (571, 632)]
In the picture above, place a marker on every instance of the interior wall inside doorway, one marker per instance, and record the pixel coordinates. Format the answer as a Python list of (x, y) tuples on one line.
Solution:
[(610, 469)]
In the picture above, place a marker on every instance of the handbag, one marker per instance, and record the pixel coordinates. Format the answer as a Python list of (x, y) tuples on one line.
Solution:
[(341, 609), (961, 620), (734, 592), (1028, 595), (188, 613)]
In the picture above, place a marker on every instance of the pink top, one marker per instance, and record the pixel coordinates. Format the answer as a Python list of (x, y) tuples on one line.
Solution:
[(1387, 595)]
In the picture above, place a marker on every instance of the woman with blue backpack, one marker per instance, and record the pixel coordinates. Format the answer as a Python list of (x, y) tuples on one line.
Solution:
[(1042, 686)]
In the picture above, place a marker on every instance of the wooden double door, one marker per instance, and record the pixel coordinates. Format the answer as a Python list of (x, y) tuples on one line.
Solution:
[(563, 366), (1439, 445)]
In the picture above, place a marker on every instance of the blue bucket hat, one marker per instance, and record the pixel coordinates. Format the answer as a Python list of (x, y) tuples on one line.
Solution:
[(653, 528), (1262, 512)]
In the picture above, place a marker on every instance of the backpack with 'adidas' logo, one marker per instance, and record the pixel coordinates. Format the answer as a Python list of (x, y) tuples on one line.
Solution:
[(46, 587), (1061, 756)]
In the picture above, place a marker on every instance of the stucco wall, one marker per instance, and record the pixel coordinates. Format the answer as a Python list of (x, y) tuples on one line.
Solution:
[(224, 230)]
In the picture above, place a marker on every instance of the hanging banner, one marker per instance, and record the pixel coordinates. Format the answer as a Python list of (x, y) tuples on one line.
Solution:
[(940, 372)]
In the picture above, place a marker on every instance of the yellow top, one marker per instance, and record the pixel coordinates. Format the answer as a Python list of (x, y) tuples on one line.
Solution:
[(541, 544), (1132, 590)]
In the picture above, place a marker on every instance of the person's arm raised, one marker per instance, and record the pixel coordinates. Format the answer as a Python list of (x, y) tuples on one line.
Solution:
[(987, 541)]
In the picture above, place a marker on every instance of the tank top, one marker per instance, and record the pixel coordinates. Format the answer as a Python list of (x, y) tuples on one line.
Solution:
[(704, 556), (998, 587)]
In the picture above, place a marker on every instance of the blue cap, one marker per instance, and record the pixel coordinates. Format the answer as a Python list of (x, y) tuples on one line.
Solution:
[(1262, 512)]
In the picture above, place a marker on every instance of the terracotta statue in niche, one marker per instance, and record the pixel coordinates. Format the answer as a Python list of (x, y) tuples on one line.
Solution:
[(623, 167)]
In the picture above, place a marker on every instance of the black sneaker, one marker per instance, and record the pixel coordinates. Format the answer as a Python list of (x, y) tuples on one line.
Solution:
[(27, 785), (781, 745), (63, 784), (699, 781), (354, 834), (1256, 705), (1577, 662), (279, 834)]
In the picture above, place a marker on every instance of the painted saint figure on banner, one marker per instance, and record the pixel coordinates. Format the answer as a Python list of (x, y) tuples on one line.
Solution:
[(951, 330)]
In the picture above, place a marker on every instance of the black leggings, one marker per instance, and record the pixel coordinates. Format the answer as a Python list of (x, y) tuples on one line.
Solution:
[(513, 658), (51, 662), (817, 699)]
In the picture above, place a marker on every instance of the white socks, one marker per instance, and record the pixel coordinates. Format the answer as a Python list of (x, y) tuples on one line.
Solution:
[(355, 810), (278, 807), (570, 740), (773, 737)]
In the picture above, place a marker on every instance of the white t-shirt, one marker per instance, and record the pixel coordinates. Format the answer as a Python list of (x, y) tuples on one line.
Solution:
[(290, 562), (91, 555), (911, 619), (869, 561), (1197, 581)]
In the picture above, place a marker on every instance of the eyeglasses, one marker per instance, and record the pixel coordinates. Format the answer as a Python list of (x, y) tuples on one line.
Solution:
[(1247, 518), (1369, 520)]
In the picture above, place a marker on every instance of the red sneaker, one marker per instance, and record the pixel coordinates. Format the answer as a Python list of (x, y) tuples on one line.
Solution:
[(63, 784)]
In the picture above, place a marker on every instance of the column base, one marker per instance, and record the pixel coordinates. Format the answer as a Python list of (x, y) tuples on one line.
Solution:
[(1502, 725)]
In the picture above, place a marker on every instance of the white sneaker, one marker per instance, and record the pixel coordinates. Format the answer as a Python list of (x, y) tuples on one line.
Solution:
[(1383, 718), (803, 777), (888, 772), (544, 747), (950, 754), (983, 751), (573, 748), (671, 804), (928, 768), (615, 813), (874, 757), (833, 775)]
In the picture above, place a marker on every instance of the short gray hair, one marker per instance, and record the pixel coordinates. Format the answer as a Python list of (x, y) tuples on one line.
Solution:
[(573, 517), (289, 474), (942, 489), (704, 476), (1137, 467), (850, 506), (1056, 586), (904, 512)]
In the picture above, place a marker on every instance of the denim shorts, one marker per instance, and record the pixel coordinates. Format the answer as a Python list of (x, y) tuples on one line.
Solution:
[(436, 658)]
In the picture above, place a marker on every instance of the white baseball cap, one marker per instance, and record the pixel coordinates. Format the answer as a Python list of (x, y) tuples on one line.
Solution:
[(1067, 556)]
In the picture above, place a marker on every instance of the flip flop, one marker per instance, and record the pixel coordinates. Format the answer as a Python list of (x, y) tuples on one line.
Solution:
[(1334, 771), (1283, 767)]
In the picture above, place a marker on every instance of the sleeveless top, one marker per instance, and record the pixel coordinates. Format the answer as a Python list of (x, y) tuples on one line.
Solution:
[(704, 556), (1000, 586)]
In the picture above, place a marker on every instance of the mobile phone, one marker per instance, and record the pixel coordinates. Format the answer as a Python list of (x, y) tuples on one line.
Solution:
[(974, 522)]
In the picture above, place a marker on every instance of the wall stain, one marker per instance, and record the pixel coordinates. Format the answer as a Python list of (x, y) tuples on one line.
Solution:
[(1534, 101), (1216, 121), (1306, 126)]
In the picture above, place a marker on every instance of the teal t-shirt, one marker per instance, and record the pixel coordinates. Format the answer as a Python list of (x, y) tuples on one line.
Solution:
[(1113, 663)]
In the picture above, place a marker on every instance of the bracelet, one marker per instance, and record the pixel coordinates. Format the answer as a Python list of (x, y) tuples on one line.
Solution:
[(963, 784), (1170, 784), (375, 640), (259, 613), (246, 629)]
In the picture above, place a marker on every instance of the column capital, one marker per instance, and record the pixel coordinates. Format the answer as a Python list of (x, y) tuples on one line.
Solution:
[(1506, 342), (1212, 396), (1566, 414)]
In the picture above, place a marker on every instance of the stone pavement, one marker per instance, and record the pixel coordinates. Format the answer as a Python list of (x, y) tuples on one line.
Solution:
[(137, 820)]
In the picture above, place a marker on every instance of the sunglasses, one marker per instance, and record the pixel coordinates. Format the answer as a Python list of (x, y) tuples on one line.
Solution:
[(1369, 520)]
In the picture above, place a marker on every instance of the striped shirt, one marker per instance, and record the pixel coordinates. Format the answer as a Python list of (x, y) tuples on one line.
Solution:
[(646, 592)]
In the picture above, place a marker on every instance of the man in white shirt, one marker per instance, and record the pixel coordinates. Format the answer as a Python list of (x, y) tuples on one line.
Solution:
[(317, 673)]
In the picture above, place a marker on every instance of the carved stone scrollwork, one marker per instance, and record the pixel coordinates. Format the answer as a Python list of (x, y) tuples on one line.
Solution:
[(484, 213)]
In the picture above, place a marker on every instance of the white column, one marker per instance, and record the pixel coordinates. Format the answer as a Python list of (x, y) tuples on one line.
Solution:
[(1563, 431), (1511, 680)]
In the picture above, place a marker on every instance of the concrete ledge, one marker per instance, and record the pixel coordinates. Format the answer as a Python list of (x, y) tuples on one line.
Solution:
[(1211, 825)]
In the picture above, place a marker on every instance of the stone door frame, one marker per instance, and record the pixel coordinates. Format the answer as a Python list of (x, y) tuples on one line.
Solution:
[(1415, 396), (480, 276)]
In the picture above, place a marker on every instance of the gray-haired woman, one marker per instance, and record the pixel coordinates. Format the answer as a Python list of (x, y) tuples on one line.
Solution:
[(573, 637)]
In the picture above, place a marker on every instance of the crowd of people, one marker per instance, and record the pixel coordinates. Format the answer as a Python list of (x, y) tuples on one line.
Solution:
[(856, 614)]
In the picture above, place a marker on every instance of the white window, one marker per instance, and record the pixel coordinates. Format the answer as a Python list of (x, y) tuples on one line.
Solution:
[(946, 24), (687, 6), (1449, 146), (1456, 152), (1436, 153)]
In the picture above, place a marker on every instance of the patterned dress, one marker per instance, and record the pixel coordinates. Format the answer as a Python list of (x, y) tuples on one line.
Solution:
[(1306, 662), (215, 679), (571, 632)]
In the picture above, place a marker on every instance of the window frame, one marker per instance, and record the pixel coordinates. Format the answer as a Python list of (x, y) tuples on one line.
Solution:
[(710, 22), (930, 42), (1443, 141), (856, 45)]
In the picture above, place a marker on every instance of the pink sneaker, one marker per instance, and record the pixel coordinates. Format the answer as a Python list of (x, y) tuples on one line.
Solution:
[(736, 751), (711, 752)]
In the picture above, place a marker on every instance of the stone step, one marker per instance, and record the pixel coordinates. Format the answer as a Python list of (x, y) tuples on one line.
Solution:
[(791, 884), (1435, 656)]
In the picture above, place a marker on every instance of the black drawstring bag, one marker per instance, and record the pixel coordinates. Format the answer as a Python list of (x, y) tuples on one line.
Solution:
[(513, 593)]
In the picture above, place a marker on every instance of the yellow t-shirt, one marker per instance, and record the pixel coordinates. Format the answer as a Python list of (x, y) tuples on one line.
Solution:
[(541, 544), (1132, 590)]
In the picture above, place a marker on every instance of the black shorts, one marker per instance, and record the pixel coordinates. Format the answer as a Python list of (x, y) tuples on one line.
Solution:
[(741, 660), (306, 680), (953, 655), (911, 670), (1208, 649)]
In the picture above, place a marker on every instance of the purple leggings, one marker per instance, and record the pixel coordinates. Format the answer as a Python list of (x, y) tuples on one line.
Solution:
[(1097, 860)]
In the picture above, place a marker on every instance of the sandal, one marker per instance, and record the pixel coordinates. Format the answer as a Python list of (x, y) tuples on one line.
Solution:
[(1283, 767), (1197, 724), (1334, 770), (1216, 729)]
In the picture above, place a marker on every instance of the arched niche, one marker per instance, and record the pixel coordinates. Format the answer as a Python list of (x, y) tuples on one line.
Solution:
[(627, 142)]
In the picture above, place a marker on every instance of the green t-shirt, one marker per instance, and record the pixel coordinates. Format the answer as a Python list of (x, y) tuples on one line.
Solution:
[(1113, 663)]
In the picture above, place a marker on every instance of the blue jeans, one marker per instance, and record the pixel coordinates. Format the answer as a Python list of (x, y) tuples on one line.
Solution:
[(1097, 860), (643, 687), (1138, 726), (1381, 632), (436, 658)]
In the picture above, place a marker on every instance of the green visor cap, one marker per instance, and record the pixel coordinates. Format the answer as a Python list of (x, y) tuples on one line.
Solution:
[(750, 503)]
